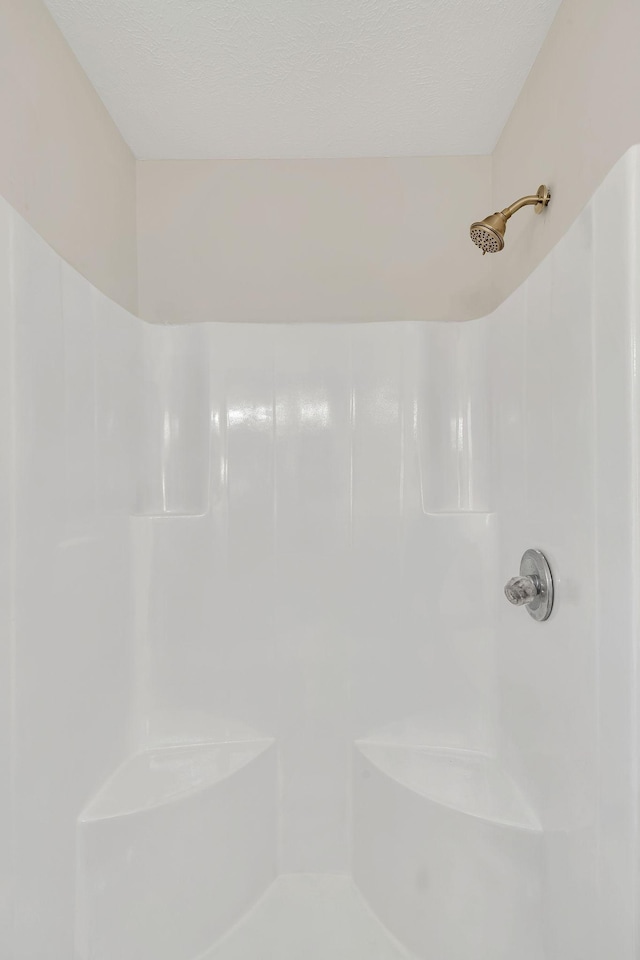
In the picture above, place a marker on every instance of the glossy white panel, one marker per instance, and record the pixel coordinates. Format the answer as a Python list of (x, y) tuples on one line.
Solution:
[(6, 558), (616, 221), (72, 596), (561, 353), (80, 401), (41, 768), (204, 570), (447, 639), (245, 605), (452, 420), (552, 748), (183, 668), (119, 391), (378, 663), (313, 590), (173, 456)]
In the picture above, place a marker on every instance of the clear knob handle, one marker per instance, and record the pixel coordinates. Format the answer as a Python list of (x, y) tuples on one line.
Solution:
[(522, 590), (533, 588)]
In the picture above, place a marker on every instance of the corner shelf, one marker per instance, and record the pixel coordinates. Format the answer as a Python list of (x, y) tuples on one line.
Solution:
[(466, 781), (163, 775)]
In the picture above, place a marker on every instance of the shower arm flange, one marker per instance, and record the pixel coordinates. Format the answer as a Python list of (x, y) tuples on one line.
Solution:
[(540, 200)]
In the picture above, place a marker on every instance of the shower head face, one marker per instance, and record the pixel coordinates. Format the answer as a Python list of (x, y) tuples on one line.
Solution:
[(488, 234)]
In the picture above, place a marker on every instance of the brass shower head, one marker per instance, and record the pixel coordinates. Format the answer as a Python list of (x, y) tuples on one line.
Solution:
[(488, 234)]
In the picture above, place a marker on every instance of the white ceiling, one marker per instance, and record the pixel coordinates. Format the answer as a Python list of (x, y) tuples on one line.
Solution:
[(306, 78)]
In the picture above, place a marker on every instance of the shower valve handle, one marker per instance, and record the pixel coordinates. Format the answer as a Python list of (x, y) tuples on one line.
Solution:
[(522, 590), (533, 588)]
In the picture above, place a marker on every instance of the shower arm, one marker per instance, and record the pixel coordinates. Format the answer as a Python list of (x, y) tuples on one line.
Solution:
[(539, 200), (522, 202)]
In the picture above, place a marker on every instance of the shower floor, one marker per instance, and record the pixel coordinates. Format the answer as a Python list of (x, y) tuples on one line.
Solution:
[(310, 916)]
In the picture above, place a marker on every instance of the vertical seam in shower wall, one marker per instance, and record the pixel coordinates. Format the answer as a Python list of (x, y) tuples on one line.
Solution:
[(141, 538), (462, 457), (352, 415), (596, 545), (616, 808), (140, 557), (635, 519), (12, 577), (401, 426), (276, 618), (349, 660)]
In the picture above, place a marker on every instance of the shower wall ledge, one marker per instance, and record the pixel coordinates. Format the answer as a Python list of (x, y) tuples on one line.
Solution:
[(176, 847), (466, 781), (163, 775), (442, 836)]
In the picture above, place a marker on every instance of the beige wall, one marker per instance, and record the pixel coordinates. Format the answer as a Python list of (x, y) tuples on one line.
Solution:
[(287, 240), (578, 112), (370, 239), (63, 164), (388, 239)]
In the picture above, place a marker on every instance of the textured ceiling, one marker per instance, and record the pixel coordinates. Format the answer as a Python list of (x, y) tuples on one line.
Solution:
[(306, 78)]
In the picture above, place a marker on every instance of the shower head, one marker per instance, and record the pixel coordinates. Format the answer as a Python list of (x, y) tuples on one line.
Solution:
[(488, 234)]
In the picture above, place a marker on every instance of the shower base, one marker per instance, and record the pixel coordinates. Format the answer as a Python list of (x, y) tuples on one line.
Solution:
[(315, 916)]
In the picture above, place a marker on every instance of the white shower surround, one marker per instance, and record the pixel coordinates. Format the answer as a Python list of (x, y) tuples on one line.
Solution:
[(254, 639)]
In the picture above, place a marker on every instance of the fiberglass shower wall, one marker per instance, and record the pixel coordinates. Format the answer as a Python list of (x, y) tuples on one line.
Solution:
[(253, 624), (297, 588), (204, 570)]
